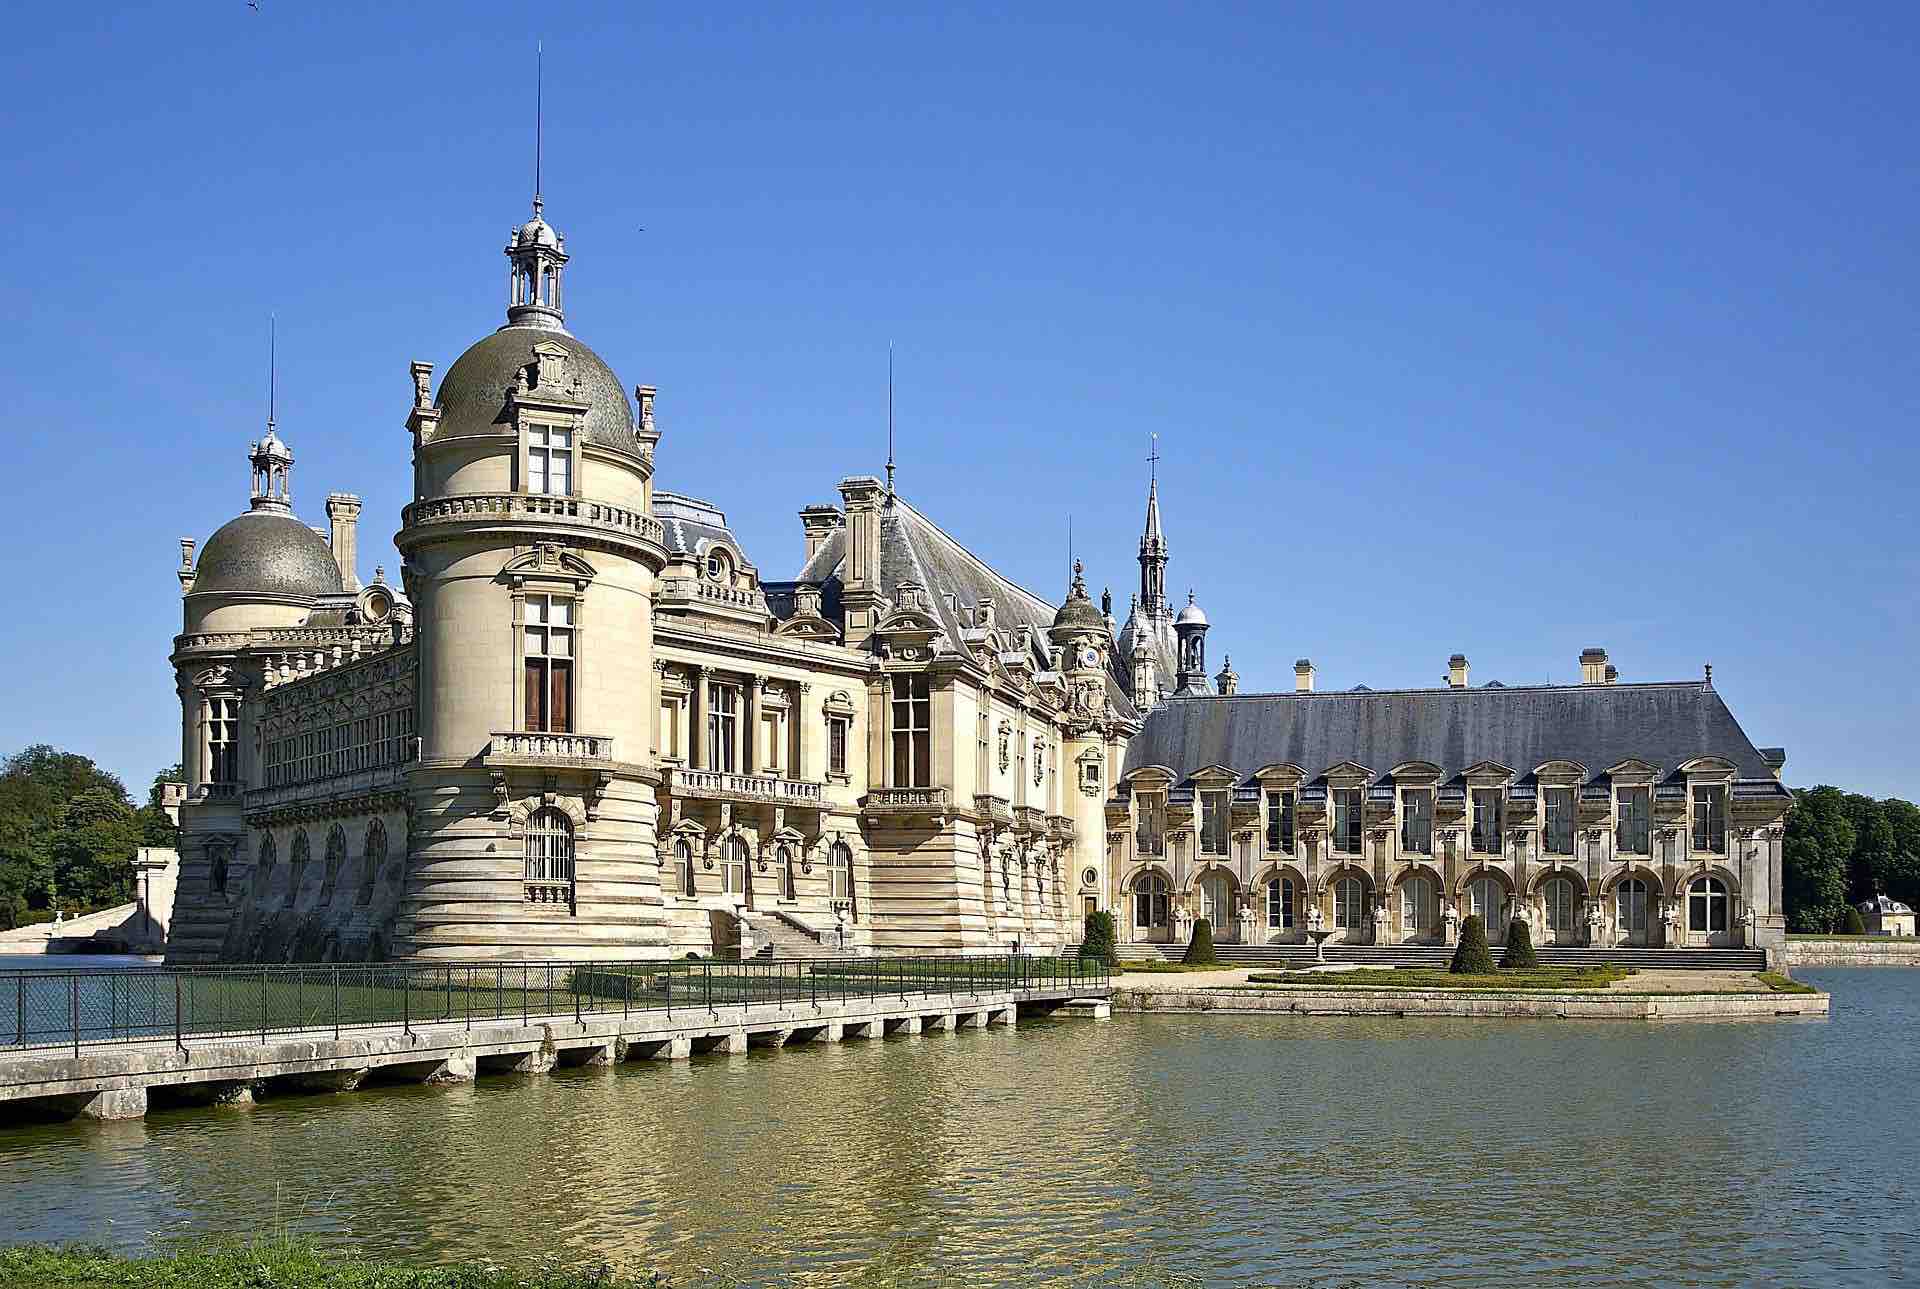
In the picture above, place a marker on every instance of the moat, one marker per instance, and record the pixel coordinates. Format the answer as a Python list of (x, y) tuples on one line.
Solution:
[(1145, 1150)]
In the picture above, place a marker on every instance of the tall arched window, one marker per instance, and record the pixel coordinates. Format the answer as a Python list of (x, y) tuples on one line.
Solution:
[(733, 866), (549, 856), (1630, 907), (1707, 905), (683, 865), (1150, 897), (373, 860), (787, 883), (1419, 905), (302, 852), (335, 860), (1280, 904), (264, 860), (840, 862), (1348, 899), (1487, 900)]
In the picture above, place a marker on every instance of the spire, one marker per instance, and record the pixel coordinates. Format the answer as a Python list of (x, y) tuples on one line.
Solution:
[(889, 423), (1153, 545), (270, 457), (535, 250)]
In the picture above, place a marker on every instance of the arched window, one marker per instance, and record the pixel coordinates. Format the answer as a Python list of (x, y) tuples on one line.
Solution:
[(373, 860), (683, 865), (335, 860), (265, 859), (1348, 898), (787, 884), (1419, 905), (1561, 905), (1487, 900), (733, 866), (217, 861), (1280, 904), (1150, 896), (1630, 906), (1707, 905), (302, 852), (549, 856), (1216, 900)]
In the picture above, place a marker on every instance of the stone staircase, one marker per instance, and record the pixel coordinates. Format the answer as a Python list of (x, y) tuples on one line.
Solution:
[(782, 935), (1438, 956)]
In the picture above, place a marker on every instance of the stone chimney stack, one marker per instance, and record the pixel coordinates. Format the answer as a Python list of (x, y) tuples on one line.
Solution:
[(343, 513), (819, 523), (1457, 671), (1228, 680), (1593, 666), (1303, 676), (186, 564), (860, 594)]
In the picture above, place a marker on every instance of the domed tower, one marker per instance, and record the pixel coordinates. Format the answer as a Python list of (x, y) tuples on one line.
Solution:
[(531, 552), (1190, 634), (1092, 742)]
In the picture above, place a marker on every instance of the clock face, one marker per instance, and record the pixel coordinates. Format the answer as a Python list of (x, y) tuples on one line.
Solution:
[(1088, 658)]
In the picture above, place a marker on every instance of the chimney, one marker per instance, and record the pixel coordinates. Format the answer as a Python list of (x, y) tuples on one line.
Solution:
[(819, 523), (1613, 673), (343, 513), (186, 564), (1457, 671), (1593, 666), (860, 593), (1303, 676), (1228, 680)]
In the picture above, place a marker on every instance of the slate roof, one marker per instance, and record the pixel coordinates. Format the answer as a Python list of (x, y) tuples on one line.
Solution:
[(473, 394), (1521, 727), (689, 522), (264, 552)]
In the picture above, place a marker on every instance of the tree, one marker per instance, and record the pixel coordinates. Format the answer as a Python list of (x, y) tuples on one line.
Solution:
[(1470, 956), (92, 848), (1854, 924), (1097, 941), (1815, 858), (38, 785), (1519, 954), (1200, 949)]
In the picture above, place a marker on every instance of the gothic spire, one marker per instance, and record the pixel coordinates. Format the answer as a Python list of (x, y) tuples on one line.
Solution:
[(1153, 544)]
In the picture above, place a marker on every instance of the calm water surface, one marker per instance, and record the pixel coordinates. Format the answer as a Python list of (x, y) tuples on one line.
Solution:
[(1151, 1150)]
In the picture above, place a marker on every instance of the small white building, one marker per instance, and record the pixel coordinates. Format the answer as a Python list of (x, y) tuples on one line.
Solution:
[(1885, 915)]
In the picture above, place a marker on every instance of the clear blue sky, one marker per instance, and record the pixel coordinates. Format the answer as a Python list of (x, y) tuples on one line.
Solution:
[(1481, 329)]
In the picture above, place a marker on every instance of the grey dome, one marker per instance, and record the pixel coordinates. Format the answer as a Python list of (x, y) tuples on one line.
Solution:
[(473, 394), (267, 553), (1079, 613), (1191, 616)]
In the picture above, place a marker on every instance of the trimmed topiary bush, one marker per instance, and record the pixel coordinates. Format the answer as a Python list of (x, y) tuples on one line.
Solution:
[(1853, 923), (1097, 942), (1470, 956), (1200, 948), (1519, 954)]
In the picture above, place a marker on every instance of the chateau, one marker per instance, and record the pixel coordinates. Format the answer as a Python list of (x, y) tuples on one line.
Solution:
[(584, 725)]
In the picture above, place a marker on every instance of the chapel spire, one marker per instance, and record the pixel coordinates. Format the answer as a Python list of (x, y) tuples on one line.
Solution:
[(1153, 545)]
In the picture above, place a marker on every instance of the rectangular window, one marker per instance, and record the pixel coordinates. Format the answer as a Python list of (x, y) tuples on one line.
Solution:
[(1416, 821), (1346, 820), (549, 663), (1559, 839), (1213, 823), (1710, 819), (1152, 812), (1635, 835), (1280, 822), (773, 729), (1489, 827), (912, 733), (836, 745), (723, 722), (549, 461), (223, 740)]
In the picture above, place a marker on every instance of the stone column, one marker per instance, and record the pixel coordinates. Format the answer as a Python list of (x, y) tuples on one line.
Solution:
[(696, 717), (750, 725)]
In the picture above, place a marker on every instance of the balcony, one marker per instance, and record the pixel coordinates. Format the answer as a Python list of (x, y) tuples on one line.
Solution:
[(1030, 820), (995, 812), (1060, 827), (550, 751), (513, 507), (752, 789), (932, 806), (203, 793)]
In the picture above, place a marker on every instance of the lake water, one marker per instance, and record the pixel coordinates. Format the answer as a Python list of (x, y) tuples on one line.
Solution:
[(1149, 1150)]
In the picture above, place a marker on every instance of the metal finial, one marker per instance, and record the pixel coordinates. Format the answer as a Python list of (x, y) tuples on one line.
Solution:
[(889, 422), (539, 114), (273, 365)]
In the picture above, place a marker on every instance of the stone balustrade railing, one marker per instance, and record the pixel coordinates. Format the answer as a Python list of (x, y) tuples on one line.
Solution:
[(727, 785), (695, 588), (496, 506), (897, 800), (530, 745)]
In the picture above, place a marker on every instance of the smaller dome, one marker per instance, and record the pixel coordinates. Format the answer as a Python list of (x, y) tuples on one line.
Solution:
[(1191, 616), (536, 232), (1078, 613), (264, 552), (272, 447)]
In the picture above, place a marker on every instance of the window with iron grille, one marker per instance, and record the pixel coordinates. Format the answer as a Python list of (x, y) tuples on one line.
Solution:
[(549, 846)]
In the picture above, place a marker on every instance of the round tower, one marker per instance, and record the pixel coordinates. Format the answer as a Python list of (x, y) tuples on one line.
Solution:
[(530, 553)]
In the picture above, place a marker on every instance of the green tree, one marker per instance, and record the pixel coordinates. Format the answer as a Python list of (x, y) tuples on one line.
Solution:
[(1815, 858), (156, 829), (1471, 956), (1853, 923), (1519, 954), (1097, 942), (91, 849), (1200, 949), (37, 786)]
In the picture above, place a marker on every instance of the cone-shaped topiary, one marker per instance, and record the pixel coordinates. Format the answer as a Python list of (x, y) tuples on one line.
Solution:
[(1470, 957), (1200, 948), (1097, 941), (1854, 924), (1519, 954)]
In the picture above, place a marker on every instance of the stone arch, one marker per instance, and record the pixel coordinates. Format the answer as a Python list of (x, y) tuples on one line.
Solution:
[(1474, 872), (1288, 869), (1656, 889), (1345, 868), (1542, 875), (297, 873), (1698, 871), (1209, 870), (1422, 868), (373, 857)]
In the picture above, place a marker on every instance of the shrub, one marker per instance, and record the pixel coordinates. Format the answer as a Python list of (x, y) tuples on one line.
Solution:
[(1519, 954), (1471, 957), (1853, 923), (1200, 948), (1098, 941)]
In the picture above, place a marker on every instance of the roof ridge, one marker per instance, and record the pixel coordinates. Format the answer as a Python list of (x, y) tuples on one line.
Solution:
[(1572, 686)]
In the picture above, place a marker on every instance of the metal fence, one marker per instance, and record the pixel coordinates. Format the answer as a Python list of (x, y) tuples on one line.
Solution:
[(72, 1008)]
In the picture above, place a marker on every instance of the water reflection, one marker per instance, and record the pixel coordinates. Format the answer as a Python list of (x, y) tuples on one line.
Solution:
[(1227, 1149)]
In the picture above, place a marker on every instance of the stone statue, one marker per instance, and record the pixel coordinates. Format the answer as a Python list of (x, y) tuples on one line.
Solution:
[(1316, 921), (1380, 919), (1452, 918), (1596, 923)]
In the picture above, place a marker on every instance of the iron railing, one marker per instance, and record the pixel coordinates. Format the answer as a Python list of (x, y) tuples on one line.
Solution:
[(72, 1008)]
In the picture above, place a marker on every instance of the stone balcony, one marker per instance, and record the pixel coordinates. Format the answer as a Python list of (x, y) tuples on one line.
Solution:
[(906, 806), (751, 789), (579, 513), (533, 749), (1060, 828)]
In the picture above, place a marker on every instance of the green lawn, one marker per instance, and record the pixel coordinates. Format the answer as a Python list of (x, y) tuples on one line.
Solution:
[(291, 1265), (1780, 984), (1155, 965), (1556, 978)]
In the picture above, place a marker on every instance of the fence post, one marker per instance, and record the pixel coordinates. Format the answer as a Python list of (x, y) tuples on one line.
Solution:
[(177, 1035), (336, 1001), (263, 1004), (73, 1009), (448, 1014), (706, 973), (406, 1001)]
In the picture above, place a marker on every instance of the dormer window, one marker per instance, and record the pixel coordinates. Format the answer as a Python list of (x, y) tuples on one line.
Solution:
[(1346, 820), (1213, 823), (1559, 835), (1489, 824), (719, 567), (1151, 810), (1635, 832), (1416, 821), (549, 461), (1280, 822), (1710, 819)]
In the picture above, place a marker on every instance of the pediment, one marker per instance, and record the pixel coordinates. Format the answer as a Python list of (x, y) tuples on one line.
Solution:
[(549, 560), (1416, 770), (1633, 765), (1215, 776), (1560, 771), (1285, 772), (1708, 765), (1486, 770), (1149, 776), (1349, 771)]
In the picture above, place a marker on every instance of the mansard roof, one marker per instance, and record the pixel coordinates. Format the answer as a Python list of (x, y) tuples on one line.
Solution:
[(690, 524), (1595, 725)]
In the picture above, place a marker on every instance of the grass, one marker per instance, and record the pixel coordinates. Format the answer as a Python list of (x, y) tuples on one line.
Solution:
[(1153, 966), (1883, 939), (1548, 978), (1780, 984), (293, 1264)]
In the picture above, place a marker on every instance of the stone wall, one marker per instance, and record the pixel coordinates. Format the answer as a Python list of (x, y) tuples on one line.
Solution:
[(1887, 952)]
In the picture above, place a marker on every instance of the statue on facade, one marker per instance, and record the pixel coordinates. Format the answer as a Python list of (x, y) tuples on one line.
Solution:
[(1596, 923), (1451, 915), (1380, 919), (1316, 920)]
